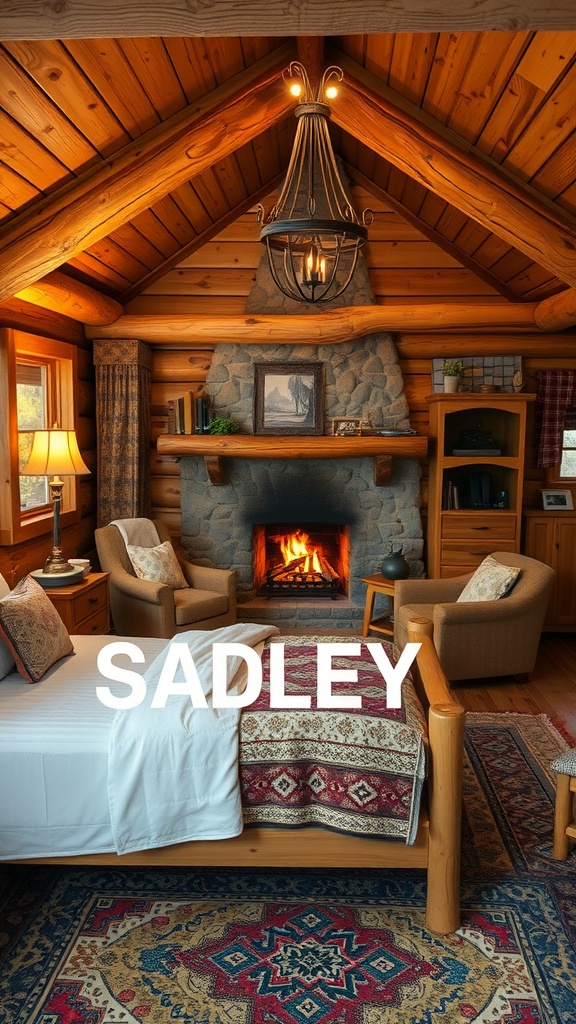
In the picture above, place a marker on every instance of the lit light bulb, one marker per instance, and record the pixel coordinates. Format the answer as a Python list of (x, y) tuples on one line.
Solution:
[(295, 89), (331, 92)]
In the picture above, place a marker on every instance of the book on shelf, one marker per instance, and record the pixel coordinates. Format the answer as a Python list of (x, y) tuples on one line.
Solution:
[(182, 414), (451, 497)]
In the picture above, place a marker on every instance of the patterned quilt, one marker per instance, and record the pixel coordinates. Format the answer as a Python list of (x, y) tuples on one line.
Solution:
[(354, 771)]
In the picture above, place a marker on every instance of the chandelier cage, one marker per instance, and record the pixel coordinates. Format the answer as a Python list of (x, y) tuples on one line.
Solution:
[(312, 233)]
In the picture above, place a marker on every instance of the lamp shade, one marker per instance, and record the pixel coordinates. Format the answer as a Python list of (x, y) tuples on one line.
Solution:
[(55, 453)]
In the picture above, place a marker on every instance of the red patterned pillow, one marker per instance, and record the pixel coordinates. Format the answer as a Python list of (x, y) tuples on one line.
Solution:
[(32, 629)]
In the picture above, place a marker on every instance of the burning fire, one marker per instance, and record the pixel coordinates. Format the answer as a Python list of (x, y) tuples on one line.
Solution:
[(298, 547)]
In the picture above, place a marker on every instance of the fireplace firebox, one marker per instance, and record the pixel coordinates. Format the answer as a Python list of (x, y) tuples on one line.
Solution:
[(299, 560)]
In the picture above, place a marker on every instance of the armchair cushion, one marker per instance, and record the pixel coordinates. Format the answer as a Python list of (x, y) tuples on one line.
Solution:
[(490, 581), (158, 564), (192, 605)]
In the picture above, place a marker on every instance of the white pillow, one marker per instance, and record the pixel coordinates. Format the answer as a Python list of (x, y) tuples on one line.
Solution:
[(490, 581), (158, 564), (6, 659)]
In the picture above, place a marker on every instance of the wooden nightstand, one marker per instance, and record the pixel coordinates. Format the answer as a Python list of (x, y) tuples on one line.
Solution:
[(83, 607), (378, 584)]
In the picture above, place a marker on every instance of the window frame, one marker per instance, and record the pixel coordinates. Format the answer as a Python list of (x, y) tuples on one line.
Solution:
[(17, 525)]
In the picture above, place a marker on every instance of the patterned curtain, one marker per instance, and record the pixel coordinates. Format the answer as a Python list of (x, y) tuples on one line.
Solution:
[(555, 411), (123, 393)]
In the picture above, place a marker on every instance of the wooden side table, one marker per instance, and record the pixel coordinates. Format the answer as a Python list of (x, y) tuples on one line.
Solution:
[(84, 607), (378, 584)]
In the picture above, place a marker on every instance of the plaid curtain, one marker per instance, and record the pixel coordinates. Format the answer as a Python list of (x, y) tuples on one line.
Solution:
[(555, 411)]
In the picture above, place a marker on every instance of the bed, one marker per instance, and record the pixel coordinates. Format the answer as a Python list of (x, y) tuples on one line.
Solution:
[(55, 736)]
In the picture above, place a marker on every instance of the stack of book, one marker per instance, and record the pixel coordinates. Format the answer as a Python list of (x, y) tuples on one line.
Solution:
[(188, 414)]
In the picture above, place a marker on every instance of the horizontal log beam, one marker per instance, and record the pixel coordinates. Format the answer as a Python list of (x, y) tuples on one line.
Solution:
[(79, 301), (36, 19), (82, 213), (330, 328), (557, 312), (462, 177)]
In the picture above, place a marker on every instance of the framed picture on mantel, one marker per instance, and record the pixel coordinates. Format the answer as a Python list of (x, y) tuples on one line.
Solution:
[(288, 398)]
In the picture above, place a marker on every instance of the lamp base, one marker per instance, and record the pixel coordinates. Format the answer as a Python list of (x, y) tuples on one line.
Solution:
[(61, 579)]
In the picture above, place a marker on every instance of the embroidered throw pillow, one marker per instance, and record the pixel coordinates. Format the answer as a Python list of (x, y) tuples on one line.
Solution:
[(6, 659), (158, 564), (490, 581), (32, 629)]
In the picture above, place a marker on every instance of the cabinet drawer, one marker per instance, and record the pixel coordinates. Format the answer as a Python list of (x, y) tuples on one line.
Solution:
[(98, 624), (498, 526), (471, 552), (86, 604)]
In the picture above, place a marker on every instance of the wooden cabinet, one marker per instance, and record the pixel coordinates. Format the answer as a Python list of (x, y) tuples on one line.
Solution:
[(84, 607), (475, 493), (551, 537)]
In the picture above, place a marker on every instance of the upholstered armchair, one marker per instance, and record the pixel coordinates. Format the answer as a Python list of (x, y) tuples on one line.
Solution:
[(479, 639), (141, 607)]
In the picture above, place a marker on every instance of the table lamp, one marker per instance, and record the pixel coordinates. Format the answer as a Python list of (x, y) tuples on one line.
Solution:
[(55, 453)]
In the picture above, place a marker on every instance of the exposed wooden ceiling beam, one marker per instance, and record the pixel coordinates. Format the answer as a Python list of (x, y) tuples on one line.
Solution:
[(557, 312), (429, 232), (72, 298), (37, 19), (332, 327), (79, 215), (460, 176), (311, 55)]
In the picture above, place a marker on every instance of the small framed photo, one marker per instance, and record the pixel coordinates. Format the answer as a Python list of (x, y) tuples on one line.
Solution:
[(288, 398), (346, 426), (557, 500)]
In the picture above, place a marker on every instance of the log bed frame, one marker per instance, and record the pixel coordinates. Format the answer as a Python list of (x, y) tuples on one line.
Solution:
[(437, 844)]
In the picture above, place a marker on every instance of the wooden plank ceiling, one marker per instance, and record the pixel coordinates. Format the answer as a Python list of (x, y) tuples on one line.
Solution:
[(78, 116)]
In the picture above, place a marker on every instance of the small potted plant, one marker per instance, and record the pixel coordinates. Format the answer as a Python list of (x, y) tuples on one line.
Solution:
[(223, 425), (453, 370)]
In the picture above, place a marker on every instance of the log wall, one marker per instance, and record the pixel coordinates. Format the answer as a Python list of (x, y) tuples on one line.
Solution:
[(404, 268)]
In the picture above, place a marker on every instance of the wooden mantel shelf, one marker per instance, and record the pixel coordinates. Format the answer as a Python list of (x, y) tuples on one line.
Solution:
[(213, 448)]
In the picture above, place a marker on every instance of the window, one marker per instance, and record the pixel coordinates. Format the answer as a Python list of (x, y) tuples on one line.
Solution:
[(567, 469), (36, 390)]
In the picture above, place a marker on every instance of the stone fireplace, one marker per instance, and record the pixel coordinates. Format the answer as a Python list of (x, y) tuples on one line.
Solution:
[(221, 524)]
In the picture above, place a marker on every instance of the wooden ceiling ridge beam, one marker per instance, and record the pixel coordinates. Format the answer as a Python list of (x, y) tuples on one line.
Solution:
[(143, 172), (430, 233), (63, 294), (463, 177)]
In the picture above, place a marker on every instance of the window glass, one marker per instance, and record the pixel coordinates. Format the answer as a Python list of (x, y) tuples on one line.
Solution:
[(32, 400)]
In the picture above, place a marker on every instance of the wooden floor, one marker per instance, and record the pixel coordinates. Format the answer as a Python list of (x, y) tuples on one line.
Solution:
[(551, 689)]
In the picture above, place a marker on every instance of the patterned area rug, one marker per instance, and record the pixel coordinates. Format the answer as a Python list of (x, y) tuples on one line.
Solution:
[(315, 947)]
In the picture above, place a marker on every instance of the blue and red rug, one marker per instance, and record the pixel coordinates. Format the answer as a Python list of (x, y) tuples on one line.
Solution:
[(308, 947)]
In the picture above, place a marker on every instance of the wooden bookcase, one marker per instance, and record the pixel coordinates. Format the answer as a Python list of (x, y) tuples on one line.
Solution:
[(466, 520)]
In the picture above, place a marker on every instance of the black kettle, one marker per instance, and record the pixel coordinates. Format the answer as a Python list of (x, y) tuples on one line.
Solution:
[(395, 566)]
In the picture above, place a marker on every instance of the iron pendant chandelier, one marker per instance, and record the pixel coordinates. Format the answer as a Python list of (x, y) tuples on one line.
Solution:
[(312, 234)]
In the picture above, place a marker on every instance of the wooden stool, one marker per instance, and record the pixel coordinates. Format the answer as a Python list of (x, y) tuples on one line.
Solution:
[(564, 818), (378, 584)]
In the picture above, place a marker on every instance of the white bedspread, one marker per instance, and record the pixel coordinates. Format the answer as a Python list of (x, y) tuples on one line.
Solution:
[(173, 771)]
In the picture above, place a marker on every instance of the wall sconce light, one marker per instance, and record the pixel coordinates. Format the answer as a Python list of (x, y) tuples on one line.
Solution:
[(312, 234), (55, 453)]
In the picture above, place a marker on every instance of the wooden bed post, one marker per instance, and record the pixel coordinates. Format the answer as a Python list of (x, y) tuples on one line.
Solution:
[(446, 720)]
